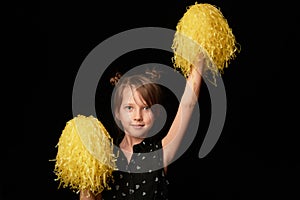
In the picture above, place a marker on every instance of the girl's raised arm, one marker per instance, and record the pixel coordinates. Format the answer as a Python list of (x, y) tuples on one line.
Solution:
[(188, 101)]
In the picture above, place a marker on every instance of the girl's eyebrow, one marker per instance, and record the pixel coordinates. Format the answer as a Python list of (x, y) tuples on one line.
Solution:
[(132, 104), (128, 104)]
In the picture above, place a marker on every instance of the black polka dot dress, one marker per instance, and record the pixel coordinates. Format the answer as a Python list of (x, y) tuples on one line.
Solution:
[(143, 178)]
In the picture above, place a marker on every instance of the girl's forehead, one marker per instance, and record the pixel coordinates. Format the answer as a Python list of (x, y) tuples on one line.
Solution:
[(131, 95), (129, 91)]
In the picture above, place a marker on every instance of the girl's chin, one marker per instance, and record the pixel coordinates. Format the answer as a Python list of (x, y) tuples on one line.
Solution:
[(138, 134)]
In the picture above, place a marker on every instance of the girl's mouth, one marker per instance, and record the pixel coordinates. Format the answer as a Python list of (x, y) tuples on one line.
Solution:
[(137, 126)]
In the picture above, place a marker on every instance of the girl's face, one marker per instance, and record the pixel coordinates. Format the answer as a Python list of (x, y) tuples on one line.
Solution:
[(135, 115)]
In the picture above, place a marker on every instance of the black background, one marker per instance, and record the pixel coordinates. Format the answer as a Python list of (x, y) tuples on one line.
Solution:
[(256, 156)]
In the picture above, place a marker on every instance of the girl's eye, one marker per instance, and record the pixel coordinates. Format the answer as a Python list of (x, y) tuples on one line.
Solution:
[(147, 108), (128, 107)]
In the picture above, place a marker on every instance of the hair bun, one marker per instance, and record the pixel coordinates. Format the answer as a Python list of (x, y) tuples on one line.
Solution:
[(114, 80), (153, 74)]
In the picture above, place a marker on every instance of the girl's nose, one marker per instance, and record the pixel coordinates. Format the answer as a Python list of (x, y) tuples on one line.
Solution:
[(137, 115)]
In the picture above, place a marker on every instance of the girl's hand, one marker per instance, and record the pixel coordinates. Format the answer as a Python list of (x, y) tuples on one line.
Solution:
[(86, 195), (198, 64)]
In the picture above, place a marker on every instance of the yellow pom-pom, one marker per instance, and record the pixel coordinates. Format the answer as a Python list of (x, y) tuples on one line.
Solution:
[(85, 158), (203, 29)]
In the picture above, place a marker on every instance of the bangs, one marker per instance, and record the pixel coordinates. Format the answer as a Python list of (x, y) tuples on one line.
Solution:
[(149, 93)]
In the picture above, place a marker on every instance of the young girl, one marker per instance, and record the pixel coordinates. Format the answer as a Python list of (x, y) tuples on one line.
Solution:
[(142, 159)]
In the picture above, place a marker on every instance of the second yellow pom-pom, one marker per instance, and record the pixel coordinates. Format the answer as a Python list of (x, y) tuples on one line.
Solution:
[(85, 158)]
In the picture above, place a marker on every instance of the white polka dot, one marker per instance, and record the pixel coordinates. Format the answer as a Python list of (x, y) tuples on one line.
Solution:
[(131, 191), (138, 167), (156, 179), (137, 187), (144, 193)]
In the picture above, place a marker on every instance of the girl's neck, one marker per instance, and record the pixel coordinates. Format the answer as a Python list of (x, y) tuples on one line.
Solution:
[(128, 142)]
